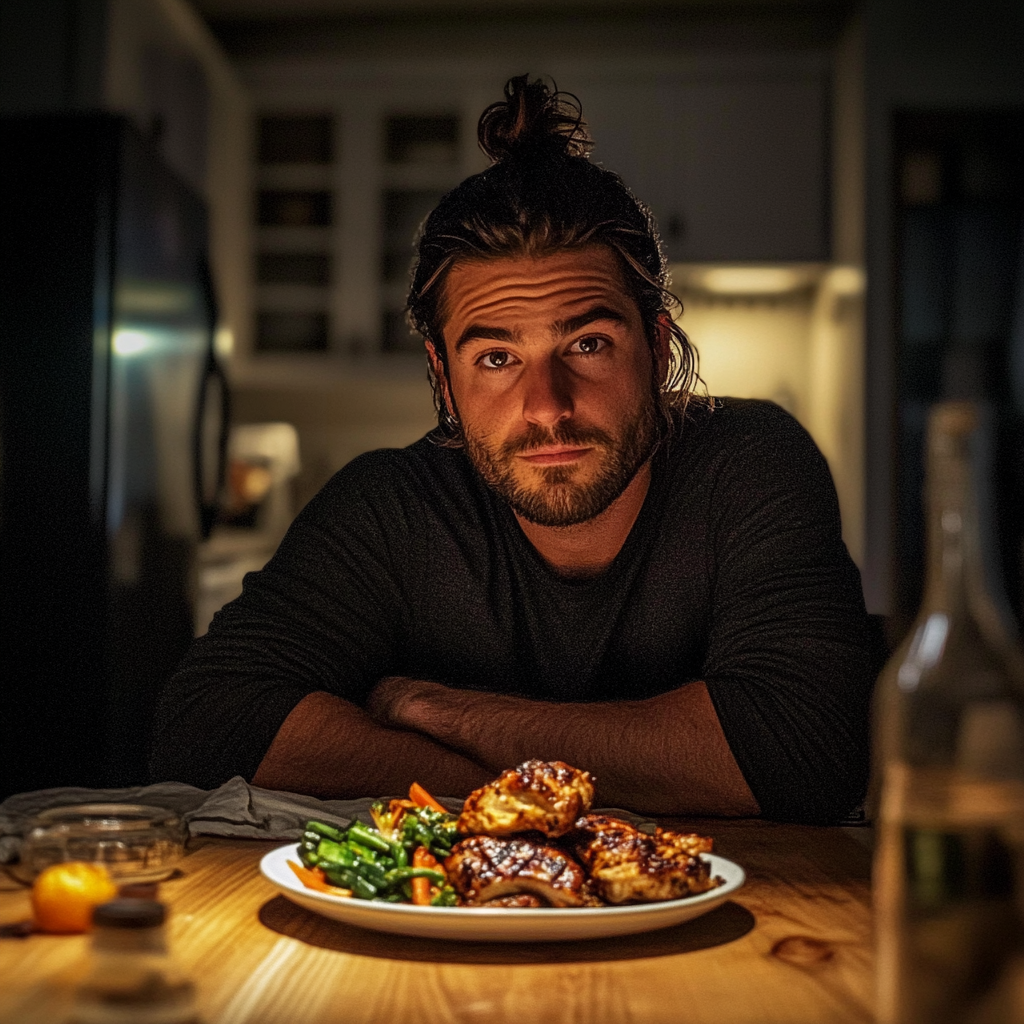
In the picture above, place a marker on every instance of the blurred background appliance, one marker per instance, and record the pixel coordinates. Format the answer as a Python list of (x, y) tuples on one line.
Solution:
[(257, 509), (114, 430)]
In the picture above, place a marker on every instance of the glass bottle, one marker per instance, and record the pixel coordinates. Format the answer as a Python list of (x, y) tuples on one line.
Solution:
[(949, 753), (132, 978)]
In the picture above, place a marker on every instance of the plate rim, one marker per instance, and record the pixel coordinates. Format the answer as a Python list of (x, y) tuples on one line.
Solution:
[(521, 913)]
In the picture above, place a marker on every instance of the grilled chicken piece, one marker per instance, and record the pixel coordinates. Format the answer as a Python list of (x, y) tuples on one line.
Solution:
[(482, 869), (688, 844), (520, 900), (542, 796), (628, 866)]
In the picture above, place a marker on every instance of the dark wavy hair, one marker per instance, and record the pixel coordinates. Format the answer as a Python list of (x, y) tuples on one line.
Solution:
[(540, 195)]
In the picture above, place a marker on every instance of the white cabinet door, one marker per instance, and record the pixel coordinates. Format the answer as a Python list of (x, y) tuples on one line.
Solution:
[(734, 168)]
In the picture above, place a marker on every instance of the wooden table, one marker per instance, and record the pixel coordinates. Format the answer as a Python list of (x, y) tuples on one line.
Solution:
[(793, 946)]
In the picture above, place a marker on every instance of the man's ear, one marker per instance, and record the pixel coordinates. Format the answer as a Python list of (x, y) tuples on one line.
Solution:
[(437, 366), (663, 346)]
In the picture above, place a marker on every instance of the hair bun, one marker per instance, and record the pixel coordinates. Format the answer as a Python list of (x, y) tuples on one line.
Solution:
[(532, 117)]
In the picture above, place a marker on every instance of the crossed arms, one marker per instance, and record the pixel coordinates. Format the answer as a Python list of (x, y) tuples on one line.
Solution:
[(663, 755)]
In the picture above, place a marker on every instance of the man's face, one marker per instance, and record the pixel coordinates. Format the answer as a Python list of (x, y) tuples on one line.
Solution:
[(551, 376)]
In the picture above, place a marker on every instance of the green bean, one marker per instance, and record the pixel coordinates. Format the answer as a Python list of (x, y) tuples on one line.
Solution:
[(336, 853), (406, 874), (362, 852), (361, 834), (445, 898), (349, 878), (327, 831), (364, 889), (400, 856), (372, 872)]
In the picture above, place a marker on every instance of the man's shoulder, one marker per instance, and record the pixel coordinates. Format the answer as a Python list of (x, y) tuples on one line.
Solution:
[(397, 476), (743, 450), (739, 424), (744, 414)]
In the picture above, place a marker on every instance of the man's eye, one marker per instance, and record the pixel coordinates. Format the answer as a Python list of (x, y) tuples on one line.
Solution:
[(495, 360), (589, 346)]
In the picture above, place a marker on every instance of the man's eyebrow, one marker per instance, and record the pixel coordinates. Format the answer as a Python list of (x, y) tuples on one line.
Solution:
[(574, 323), (481, 332)]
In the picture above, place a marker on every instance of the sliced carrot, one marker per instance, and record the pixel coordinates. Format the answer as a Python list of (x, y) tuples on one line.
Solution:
[(313, 878), (421, 892), (422, 858), (421, 798)]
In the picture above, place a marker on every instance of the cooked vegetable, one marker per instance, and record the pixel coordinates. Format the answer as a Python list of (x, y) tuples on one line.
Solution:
[(328, 831), (422, 858), (388, 815), (313, 878), (396, 861), (446, 897), (421, 798)]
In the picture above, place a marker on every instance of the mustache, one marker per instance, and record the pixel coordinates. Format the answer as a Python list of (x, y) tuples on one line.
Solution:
[(565, 433)]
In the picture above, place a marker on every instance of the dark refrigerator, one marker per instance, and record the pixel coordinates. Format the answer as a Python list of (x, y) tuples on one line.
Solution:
[(113, 417)]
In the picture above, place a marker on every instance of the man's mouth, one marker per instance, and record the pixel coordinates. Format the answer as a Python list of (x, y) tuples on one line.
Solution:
[(554, 455)]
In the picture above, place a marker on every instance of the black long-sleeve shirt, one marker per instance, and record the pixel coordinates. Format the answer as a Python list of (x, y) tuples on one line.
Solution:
[(407, 564)]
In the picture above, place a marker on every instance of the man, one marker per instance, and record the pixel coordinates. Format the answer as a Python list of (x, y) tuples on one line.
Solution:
[(585, 565)]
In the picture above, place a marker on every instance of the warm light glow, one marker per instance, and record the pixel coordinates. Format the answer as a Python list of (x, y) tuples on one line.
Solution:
[(131, 343), (224, 342), (752, 280), (846, 280)]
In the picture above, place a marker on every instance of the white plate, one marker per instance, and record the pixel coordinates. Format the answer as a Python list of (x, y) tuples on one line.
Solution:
[(500, 924)]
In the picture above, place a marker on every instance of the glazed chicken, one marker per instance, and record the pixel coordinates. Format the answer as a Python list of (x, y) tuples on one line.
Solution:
[(628, 866), (483, 870), (520, 901), (541, 796)]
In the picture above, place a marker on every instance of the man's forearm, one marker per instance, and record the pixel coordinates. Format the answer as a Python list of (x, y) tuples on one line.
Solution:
[(330, 748), (665, 755)]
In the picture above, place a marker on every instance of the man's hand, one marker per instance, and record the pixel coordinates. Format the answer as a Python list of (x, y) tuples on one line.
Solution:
[(664, 755), (404, 703), (330, 748)]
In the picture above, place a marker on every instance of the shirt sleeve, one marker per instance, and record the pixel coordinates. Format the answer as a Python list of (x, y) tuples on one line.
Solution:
[(788, 664), (326, 613)]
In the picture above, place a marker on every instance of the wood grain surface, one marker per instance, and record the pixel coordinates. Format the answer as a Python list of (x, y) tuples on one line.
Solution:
[(793, 946)]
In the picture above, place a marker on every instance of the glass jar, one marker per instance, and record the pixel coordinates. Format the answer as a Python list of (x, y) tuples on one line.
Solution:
[(135, 842)]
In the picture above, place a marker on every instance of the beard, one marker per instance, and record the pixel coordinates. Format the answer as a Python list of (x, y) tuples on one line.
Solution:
[(558, 498)]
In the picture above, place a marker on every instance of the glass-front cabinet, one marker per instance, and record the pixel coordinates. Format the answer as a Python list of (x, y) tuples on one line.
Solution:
[(341, 194)]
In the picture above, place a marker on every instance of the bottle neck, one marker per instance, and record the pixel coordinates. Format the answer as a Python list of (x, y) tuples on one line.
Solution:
[(955, 559)]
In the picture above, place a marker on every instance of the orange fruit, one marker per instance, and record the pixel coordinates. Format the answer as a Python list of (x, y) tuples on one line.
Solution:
[(64, 895)]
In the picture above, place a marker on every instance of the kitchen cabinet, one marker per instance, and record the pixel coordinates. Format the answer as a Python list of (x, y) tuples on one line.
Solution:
[(730, 155), (733, 168)]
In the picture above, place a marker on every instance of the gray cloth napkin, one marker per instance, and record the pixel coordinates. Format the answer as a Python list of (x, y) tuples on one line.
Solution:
[(235, 810)]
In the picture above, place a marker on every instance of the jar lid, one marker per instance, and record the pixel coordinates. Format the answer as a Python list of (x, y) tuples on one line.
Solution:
[(129, 913)]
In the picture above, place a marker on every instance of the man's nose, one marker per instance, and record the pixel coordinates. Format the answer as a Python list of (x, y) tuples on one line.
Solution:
[(547, 397)]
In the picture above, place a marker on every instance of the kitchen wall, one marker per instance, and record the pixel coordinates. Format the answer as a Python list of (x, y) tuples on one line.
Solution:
[(801, 348)]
